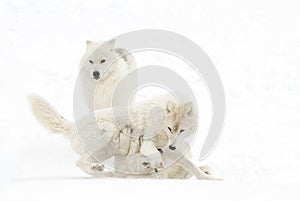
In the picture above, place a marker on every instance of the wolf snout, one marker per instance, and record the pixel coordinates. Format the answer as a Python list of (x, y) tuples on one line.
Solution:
[(96, 75)]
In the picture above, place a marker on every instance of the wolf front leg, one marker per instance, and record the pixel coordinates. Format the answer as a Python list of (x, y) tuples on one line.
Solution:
[(91, 163), (175, 154), (148, 149), (199, 173)]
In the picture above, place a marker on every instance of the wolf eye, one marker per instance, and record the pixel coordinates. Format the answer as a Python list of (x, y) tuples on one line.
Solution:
[(102, 61), (91, 61), (181, 131), (170, 129)]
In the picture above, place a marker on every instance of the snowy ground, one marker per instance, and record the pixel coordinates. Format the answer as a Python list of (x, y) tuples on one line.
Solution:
[(255, 46)]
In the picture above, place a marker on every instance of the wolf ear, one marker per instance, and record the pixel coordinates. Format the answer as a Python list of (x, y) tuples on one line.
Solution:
[(188, 108), (123, 53), (88, 42), (111, 43), (170, 107)]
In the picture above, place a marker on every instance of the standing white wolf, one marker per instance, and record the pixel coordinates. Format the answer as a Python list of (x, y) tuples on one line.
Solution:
[(101, 68)]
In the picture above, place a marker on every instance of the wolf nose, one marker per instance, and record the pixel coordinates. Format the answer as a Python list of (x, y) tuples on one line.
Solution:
[(172, 147), (96, 74)]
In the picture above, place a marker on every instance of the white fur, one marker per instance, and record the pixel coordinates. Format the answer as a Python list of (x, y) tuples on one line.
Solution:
[(98, 95), (105, 122), (117, 141)]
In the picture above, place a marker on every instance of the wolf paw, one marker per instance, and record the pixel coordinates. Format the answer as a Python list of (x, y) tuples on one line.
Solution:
[(147, 165), (128, 130), (150, 167), (206, 169), (98, 167)]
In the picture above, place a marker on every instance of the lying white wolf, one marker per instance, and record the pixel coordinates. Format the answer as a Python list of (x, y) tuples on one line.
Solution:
[(138, 155), (108, 138)]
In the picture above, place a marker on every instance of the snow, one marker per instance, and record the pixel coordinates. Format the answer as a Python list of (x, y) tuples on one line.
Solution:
[(255, 46)]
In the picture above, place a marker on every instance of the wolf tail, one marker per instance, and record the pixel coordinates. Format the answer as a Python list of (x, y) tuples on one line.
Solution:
[(48, 116)]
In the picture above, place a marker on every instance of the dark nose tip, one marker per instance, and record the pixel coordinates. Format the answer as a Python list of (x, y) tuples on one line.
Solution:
[(96, 74), (172, 147)]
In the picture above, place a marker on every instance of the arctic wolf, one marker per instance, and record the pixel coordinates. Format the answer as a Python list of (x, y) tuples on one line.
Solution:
[(119, 141), (99, 75), (101, 69), (110, 139)]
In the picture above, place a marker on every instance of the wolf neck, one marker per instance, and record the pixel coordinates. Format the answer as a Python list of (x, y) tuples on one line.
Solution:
[(98, 94)]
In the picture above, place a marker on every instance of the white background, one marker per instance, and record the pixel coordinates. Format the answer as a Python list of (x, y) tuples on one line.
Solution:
[(255, 46)]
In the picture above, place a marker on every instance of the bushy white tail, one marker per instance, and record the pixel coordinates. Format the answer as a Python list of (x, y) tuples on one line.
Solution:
[(48, 116)]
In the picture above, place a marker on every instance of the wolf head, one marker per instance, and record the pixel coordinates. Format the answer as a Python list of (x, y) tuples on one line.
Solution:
[(180, 120), (102, 58), (180, 123)]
